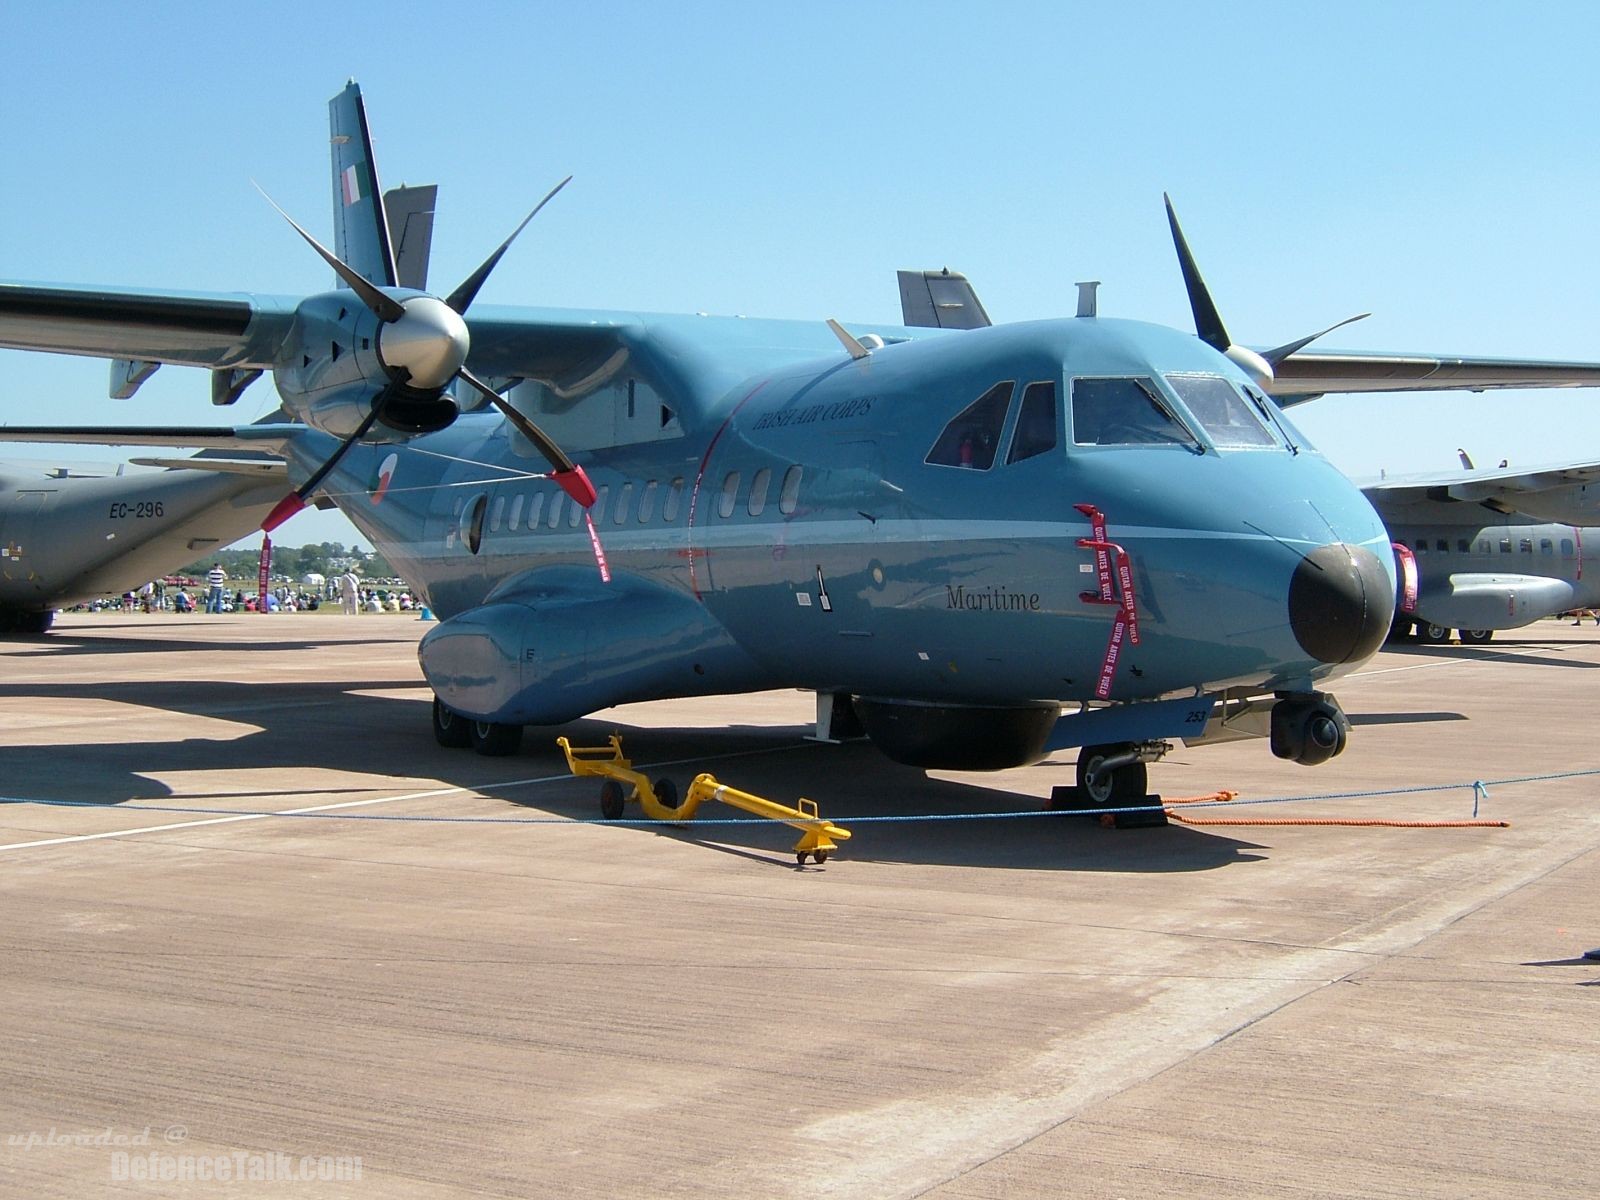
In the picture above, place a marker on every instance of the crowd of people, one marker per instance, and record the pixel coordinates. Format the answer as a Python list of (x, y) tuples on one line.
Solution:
[(215, 596)]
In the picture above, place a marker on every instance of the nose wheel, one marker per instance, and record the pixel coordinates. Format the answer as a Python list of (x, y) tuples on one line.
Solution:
[(1112, 775)]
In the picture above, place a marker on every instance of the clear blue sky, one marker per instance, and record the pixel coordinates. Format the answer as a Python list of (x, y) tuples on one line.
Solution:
[(1433, 163)]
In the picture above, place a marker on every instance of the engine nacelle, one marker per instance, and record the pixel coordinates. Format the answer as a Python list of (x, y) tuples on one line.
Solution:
[(955, 737), (347, 357)]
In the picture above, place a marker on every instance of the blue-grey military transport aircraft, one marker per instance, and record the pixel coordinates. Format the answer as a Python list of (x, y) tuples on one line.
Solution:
[(985, 543)]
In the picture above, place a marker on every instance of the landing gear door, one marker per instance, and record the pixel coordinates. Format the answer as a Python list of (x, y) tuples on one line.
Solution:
[(18, 549)]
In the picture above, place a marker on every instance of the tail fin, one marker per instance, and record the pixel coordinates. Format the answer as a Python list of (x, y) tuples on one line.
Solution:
[(360, 228)]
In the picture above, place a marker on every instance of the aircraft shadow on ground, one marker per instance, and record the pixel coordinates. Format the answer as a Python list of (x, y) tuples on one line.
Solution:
[(311, 726), (1405, 718), (66, 643), (913, 817), (1496, 651)]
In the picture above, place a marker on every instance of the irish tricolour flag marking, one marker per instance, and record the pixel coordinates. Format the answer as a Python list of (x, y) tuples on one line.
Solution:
[(353, 182)]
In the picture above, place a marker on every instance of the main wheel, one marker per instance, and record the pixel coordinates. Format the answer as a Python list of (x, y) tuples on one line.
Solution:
[(450, 729), (494, 740), (1434, 635), (1476, 637), (1124, 785)]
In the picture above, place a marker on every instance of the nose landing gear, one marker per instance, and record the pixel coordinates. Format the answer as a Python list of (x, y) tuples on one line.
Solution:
[(1309, 729)]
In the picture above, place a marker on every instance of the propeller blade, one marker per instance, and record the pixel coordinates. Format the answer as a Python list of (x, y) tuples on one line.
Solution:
[(462, 297), (1278, 354), (1207, 321), (387, 308), (567, 474), (296, 500)]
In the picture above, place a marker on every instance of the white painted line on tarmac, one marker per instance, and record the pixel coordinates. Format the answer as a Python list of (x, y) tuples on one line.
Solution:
[(320, 808)]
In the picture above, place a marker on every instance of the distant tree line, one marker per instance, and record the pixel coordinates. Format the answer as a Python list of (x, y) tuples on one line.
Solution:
[(324, 558)]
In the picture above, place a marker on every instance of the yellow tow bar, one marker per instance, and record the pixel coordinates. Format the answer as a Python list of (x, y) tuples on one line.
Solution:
[(819, 837)]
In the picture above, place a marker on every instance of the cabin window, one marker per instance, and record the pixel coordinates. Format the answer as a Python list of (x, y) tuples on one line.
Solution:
[(1525, 545), (730, 493), (1505, 545), (555, 509), (1124, 412), (758, 491), (496, 513), (647, 502), (1546, 546), (1222, 412), (472, 522), (972, 435), (1035, 433), (669, 509), (1566, 547), (1442, 545), (516, 512), (624, 499), (1421, 547), (1484, 547), (789, 495), (1463, 546)]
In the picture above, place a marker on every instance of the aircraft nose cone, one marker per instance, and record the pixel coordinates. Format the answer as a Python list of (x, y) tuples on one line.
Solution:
[(1341, 603)]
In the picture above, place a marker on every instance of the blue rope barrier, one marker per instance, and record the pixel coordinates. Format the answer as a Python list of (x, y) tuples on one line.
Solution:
[(1479, 788)]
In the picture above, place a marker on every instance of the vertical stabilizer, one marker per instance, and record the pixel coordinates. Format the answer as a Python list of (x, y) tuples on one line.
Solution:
[(360, 228)]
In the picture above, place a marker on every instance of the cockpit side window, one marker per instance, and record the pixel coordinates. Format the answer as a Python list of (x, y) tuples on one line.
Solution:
[(1124, 412), (1223, 413), (973, 435), (1036, 423)]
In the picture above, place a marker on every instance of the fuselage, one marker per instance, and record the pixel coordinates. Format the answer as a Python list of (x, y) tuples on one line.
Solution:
[(1480, 570), (906, 524)]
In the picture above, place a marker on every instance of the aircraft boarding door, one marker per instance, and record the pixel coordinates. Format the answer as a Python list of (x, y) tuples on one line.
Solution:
[(17, 521)]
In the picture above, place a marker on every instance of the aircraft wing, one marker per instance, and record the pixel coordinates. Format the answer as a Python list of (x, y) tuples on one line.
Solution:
[(265, 468), (271, 438), (1565, 493), (195, 329), (1307, 374)]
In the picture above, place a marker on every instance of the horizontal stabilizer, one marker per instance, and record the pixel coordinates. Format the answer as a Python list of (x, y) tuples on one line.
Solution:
[(940, 300)]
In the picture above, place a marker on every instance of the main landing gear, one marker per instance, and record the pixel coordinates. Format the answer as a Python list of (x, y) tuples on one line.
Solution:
[(456, 732)]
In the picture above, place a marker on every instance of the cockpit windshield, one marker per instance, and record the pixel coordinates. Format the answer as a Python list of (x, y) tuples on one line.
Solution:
[(1124, 412), (1230, 421)]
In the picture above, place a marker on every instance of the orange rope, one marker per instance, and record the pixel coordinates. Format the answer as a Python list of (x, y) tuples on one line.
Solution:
[(1350, 821)]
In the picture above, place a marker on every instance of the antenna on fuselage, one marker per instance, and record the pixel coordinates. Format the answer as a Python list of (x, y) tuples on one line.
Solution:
[(1089, 298)]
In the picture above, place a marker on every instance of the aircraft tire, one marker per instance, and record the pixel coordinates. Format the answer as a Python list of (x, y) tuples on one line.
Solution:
[(493, 740), (1476, 637), (1126, 785), (1433, 635), (450, 729)]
